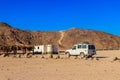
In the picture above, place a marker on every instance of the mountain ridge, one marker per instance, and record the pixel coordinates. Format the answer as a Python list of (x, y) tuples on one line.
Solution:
[(65, 39)]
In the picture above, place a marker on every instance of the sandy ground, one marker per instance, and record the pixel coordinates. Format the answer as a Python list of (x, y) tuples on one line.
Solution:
[(35, 68)]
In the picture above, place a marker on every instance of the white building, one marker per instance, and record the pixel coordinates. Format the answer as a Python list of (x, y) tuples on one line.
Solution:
[(43, 49)]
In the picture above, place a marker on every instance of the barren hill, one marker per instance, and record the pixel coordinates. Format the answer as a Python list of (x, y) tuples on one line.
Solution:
[(64, 39)]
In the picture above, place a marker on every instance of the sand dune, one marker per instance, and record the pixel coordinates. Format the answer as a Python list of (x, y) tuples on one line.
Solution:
[(35, 68)]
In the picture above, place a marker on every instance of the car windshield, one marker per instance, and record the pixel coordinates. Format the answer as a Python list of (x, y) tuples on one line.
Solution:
[(91, 47)]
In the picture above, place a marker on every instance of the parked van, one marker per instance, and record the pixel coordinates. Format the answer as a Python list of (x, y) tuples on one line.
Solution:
[(82, 50)]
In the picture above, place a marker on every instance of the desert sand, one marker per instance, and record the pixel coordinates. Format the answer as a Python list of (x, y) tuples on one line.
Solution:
[(102, 67)]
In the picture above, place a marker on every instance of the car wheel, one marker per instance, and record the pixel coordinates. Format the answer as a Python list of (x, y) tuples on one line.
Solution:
[(82, 55), (68, 54)]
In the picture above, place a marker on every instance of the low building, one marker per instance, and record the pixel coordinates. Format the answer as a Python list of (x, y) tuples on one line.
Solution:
[(44, 49)]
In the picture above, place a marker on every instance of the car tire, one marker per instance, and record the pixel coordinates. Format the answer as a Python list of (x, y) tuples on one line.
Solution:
[(68, 54), (82, 55)]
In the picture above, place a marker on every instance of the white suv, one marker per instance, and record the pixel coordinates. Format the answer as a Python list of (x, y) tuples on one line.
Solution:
[(82, 50)]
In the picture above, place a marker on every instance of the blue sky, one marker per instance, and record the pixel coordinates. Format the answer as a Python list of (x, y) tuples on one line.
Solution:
[(47, 15)]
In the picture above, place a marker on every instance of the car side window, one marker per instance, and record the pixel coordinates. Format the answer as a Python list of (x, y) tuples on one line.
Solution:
[(79, 46), (83, 46), (74, 48)]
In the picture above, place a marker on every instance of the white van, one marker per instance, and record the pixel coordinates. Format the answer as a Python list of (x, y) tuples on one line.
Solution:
[(82, 50)]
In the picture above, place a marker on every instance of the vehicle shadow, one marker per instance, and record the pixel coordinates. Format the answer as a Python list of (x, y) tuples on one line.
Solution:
[(101, 57)]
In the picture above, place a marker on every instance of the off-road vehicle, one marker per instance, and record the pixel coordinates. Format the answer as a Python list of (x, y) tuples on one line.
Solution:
[(82, 50)]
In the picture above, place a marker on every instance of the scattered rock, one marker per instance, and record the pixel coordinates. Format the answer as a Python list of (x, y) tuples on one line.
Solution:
[(116, 59), (7, 69), (42, 57), (58, 57), (56, 69), (8, 79)]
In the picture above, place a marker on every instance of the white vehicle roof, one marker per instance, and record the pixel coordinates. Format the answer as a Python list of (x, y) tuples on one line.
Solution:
[(84, 44)]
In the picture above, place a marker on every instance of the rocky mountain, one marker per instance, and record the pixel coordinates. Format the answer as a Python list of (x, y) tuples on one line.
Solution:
[(64, 39)]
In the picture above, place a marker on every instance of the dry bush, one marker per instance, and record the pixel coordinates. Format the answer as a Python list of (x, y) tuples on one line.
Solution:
[(29, 56), (50, 55)]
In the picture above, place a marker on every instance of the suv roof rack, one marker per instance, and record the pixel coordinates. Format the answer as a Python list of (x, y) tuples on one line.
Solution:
[(86, 43)]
